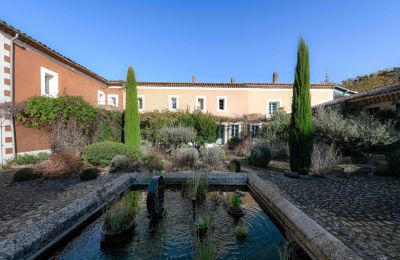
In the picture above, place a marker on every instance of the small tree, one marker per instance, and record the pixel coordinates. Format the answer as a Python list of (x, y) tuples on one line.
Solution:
[(301, 126), (132, 117)]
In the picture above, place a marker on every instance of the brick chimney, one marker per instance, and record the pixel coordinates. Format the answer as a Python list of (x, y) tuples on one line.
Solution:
[(275, 77), (193, 79), (233, 80)]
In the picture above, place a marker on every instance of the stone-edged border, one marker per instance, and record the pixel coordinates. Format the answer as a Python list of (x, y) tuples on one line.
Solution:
[(28, 243), (315, 240)]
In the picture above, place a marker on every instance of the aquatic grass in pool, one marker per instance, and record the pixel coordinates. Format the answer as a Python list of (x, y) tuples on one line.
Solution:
[(241, 231), (236, 203)]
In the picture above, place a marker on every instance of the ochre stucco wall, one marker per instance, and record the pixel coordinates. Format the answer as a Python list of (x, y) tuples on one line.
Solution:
[(27, 84)]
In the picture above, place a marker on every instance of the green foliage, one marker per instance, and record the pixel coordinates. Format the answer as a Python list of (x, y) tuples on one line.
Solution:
[(121, 215), (241, 231), (132, 117), (301, 130), (394, 162), (235, 203), (204, 124), (175, 136), (42, 112), (119, 163), (203, 223), (373, 80), (110, 125), (89, 174), (205, 250), (26, 174), (153, 163), (201, 191), (103, 152), (28, 159), (234, 166), (260, 155), (276, 127)]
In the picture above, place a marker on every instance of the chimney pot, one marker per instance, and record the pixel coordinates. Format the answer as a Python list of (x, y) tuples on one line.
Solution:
[(275, 77), (193, 79), (233, 80)]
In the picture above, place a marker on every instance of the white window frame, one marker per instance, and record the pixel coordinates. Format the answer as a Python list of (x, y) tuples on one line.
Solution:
[(269, 115), (109, 100), (225, 98), (170, 103), (53, 83), (204, 103), (143, 103), (99, 101)]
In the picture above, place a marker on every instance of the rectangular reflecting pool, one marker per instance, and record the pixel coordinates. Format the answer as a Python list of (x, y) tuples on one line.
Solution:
[(175, 237)]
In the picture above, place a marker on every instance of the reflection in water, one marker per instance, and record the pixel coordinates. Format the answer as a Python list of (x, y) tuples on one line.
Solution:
[(173, 237)]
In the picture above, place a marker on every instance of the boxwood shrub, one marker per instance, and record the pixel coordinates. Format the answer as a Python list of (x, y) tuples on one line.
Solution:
[(260, 156), (102, 153)]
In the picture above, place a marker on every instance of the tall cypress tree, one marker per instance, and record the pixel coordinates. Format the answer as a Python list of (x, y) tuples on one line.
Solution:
[(132, 117), (301, 126)]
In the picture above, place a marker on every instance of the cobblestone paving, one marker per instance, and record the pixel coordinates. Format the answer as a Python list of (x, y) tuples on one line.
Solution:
[(24, 203), (363, 212)]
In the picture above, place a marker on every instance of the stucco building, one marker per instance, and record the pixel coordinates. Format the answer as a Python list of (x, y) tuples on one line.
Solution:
[(30, 68)]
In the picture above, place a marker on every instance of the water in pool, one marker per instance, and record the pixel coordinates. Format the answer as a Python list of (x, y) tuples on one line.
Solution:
[(174, 236)]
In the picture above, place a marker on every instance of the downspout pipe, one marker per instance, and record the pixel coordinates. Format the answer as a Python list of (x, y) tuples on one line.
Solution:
[(12, 91)]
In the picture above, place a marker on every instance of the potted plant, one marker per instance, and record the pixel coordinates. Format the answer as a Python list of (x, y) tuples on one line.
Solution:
[(235, 206), (119, 222), (202, 225)]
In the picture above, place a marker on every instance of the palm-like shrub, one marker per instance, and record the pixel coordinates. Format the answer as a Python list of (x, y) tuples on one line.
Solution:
[(301, 130)]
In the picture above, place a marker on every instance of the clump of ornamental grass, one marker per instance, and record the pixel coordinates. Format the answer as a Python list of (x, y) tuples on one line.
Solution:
[(201, 191), (241, 231), (205, 250), (121, 216), (203, 223), (235, 203)]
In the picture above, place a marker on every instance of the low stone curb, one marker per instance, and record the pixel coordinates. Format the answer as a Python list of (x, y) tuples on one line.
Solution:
[(314, 239), (22, 244)]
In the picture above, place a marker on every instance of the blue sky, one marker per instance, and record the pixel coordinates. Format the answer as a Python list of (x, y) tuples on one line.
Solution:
[(215, 39)]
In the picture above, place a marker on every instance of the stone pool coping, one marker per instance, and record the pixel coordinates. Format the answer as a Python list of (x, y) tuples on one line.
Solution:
[(42, 235)]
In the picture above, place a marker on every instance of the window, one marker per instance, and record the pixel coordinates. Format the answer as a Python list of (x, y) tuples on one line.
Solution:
[(235, 131), (221, 104), (113, 100), (372, 110), (398, 109), (48, 82), (173, 103), (201, 103), (255, 130), (273, 106), (101, 97), (141, 102)]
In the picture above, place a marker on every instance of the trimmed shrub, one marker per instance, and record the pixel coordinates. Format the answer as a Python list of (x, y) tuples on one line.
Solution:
[(89, 174), (324, 158), (213, 157), (234, 166), (394, 162), (185, 157), (175, 136), (26, 174), (260, 156), (276, 127), (152, 163), (204, 123), (132, 116), (119, 163), (301, 131), (103, 152)]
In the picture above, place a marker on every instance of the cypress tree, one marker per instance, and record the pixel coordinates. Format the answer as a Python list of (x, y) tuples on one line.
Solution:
[(132, 117), (301, 131)]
